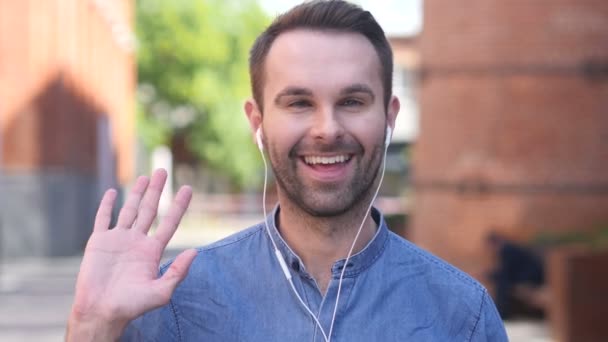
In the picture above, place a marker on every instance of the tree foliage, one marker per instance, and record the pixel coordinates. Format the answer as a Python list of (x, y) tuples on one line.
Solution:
[(193, 78)]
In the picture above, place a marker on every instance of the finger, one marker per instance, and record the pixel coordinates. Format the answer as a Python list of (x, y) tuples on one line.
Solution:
[(169, 224), (149, 204), (104, 212), (128, 213), (178, 270)]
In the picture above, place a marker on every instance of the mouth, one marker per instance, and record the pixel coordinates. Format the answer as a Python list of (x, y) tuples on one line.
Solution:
[(327, 168), (326, 160)]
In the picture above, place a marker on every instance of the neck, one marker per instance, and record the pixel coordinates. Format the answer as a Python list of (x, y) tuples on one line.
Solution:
[(321, 241)]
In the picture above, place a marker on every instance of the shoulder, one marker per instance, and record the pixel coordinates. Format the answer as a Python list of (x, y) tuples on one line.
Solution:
[(234, 240), (461, 299), (442, 290), (434, 268), (231, 247), (434, 280)]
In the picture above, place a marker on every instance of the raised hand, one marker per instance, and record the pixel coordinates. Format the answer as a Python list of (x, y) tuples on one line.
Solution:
[(118, 279)]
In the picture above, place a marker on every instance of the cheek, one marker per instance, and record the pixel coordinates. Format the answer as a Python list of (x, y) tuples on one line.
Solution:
[(369, 133), (284, 134)]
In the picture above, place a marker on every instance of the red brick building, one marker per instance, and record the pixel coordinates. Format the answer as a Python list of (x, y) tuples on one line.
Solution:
[(514, 123), (67, 80)]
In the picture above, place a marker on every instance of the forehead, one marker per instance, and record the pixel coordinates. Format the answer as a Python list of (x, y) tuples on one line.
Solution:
[(322, 61)]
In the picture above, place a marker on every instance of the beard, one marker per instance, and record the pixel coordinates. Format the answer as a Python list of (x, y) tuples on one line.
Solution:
[(327, 199)]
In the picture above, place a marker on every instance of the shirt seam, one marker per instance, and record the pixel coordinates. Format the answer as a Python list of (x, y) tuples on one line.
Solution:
[(347, 302), (483, 301), (172, 305), (174, 311), (307, 300)]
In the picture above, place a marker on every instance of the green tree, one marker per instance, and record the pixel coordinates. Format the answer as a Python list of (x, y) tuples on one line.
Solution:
[(193, 79)]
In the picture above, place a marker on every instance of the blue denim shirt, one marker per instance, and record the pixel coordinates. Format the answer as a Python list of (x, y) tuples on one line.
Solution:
[(392, 291)]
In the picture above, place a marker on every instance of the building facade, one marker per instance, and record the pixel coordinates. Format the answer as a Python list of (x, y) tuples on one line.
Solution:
[(513, 125), (67, 80)]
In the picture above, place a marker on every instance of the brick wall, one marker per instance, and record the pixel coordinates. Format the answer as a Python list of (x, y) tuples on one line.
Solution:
[(514, 123)]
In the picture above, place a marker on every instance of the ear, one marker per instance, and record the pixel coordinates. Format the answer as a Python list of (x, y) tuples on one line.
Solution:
[(254, 116), (393, 110)]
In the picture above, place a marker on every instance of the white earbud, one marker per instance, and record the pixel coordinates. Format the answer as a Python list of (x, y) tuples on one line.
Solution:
[(258, 138), (389, 135)]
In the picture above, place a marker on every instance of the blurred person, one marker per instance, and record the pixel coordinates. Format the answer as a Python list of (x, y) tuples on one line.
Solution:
[(323, 265), (519, 274)]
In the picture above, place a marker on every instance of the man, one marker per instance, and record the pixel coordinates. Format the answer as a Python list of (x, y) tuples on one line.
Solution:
[(518, 277), (321, 78)]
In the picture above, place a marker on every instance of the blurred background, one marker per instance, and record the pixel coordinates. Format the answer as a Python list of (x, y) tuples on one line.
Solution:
[(498, 161)]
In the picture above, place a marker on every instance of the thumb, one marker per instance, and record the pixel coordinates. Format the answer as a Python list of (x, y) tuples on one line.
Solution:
[(178, 270)]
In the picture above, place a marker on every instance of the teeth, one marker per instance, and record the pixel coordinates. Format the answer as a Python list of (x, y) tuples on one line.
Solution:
[(325, 160)]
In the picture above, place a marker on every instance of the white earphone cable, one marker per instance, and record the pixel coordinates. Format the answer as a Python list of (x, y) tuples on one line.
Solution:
[(352, 247), (281, 259), (280, 256)]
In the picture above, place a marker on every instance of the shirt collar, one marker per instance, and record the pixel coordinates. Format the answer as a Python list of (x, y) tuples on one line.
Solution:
[(356, 264)]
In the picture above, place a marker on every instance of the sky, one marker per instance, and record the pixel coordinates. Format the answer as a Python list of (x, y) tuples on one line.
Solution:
[(397, 17)]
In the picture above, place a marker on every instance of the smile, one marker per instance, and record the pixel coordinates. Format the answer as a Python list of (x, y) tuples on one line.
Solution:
[(326, 160)]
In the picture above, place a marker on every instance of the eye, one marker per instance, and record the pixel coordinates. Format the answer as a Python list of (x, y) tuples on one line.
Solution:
[(351, 102), (299, 104)]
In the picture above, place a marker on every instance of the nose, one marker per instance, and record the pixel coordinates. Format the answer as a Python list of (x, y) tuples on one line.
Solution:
[(326, 126)]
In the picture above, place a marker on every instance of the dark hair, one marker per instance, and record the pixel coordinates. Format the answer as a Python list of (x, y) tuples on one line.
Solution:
[(333, 15)]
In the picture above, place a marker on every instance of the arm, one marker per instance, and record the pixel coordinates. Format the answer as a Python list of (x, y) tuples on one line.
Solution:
[(118, 279)]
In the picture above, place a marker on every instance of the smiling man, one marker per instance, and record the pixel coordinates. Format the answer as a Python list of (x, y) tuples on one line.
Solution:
[(323, 265)]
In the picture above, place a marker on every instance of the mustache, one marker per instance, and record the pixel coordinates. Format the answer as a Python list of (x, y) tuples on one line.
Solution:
[(338, 146)]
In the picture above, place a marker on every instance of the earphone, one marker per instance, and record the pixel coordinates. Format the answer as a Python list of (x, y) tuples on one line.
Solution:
[(279, 255), (277, 252), (388, 137), (258, 138)]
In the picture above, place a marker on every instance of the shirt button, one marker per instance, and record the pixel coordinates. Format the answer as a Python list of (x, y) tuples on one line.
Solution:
[(295, 265)]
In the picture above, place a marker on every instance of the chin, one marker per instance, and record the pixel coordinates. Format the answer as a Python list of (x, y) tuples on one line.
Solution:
[(327, 207)]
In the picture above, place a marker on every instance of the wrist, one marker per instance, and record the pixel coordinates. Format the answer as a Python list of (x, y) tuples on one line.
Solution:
[(90, 328)]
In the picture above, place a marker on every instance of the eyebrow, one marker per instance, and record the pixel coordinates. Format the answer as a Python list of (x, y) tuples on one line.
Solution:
[(358, 88), (292, 91), (299, 91)]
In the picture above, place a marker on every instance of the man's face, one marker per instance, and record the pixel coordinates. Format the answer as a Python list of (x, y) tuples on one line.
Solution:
[(324, 119)]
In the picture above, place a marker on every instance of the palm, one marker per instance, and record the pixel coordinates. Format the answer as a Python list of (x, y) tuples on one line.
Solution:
[(120, 266), (118, 280)]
